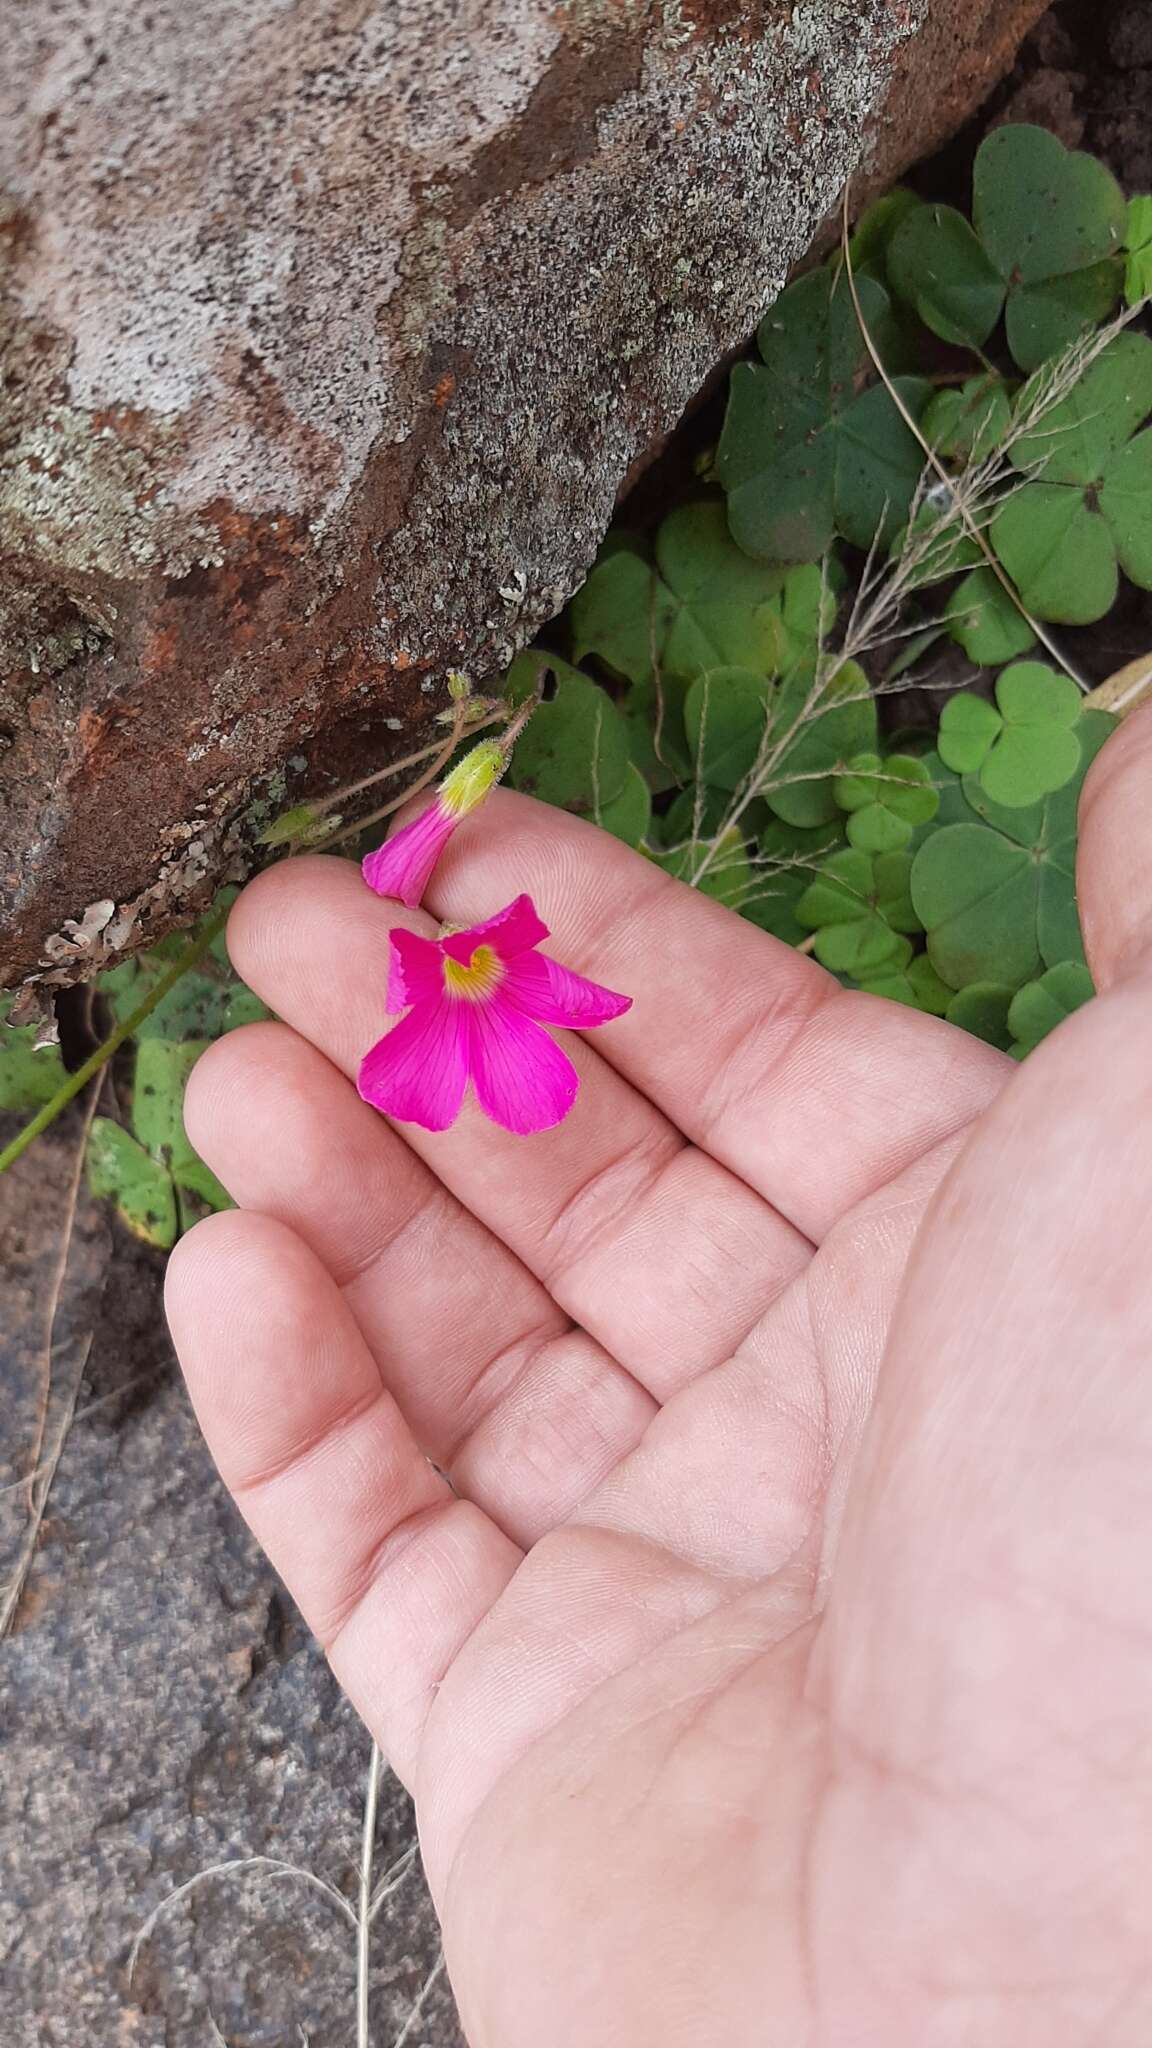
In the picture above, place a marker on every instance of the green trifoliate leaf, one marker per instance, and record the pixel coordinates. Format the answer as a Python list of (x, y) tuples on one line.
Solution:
[(886, 800), (805, 452), (986, 620), (938, 265), (1023, 746), (120, 1170), (967, 425), (869, 245), (1059, 553), (1052, 222), (1041, 1005), (816, 731), (629, 815), (982, 1009), (860, 907), (574, 750), (1075, 440), (918, 986)]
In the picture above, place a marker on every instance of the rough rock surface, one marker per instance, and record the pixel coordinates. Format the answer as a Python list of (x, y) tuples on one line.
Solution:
[(329, 335), (162, 1708)]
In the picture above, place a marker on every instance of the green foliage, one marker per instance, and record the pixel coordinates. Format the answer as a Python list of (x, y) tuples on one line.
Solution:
[(1025, 744), (574, 751), (986, 620), (29, 1075), (982, 1008), (860, 907), (140, 1187), (996, 892), (807, 452), (1051, 221), (937, 263), (886, 800), (1038, 1008), (1138, 249), (1088, 505)]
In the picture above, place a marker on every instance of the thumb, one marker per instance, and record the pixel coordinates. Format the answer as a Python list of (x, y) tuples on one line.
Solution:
[(1114, 864)]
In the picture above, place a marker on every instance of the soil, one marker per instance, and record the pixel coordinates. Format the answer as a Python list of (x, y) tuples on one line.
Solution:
[(164, 1708)]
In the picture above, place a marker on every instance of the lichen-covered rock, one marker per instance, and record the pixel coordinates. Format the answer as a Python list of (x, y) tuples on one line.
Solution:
[(329, 334)]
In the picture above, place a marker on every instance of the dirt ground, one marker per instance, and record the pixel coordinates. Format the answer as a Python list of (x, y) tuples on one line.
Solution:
[(162, 1708)]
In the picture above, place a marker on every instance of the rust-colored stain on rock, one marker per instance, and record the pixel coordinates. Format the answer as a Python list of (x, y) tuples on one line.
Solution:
[(319, 350)]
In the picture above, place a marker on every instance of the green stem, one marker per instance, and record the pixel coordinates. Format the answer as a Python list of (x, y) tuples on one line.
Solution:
[(212, 926)]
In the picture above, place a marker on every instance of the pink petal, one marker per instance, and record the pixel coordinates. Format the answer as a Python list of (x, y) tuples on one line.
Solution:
[(403, 865), (555, 995), (419, 1072), (521, 1077), (511, 931), (415, 972)]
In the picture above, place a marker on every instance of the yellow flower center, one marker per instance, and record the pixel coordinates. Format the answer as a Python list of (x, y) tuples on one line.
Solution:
[(483, 973)]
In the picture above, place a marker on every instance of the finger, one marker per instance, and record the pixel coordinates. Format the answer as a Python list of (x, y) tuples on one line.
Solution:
[(1114, 865), (658, 1251), (526, 1413), (391, 1571), (813, 1095)]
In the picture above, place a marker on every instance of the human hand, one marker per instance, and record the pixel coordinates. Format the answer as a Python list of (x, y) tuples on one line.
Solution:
[(780, 1670)]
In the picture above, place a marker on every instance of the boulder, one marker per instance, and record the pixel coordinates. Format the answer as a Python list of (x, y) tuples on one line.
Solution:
[(330, 334)]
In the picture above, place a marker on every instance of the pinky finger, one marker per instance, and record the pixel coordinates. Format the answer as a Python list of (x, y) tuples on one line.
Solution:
[(390, 1569)]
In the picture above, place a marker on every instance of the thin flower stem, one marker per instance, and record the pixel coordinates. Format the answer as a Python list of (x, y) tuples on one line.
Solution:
[(364, 1913), (75, 1083)]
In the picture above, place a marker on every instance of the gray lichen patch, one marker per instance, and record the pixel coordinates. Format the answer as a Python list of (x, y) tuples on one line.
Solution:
[(330, 342)]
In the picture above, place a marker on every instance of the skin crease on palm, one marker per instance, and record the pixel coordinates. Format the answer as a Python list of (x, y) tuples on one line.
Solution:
[(777, 1671)]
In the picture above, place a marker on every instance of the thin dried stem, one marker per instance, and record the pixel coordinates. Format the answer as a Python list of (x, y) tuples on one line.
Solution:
[(364, 1911)]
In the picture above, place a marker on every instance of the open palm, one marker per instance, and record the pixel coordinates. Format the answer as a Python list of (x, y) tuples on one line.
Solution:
[(777, 1666)]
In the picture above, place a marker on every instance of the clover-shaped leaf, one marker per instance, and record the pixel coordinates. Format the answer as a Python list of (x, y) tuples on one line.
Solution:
[(806, 453), (1052, 222), (997, 894), (869, 246), (1060, 536), (629, 815), (142, 1189), (886, 800), (818, 731), (1041, 1005), (701, 603), (726, 715), (982, 1009), (918, 985), (966, 425), (574, 750), (1025, 744), (789, 857), (986, 621), (938, 265), (859, 907)]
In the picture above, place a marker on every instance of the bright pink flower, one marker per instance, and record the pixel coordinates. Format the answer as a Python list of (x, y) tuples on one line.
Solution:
[(403, 865), (475, 1003)]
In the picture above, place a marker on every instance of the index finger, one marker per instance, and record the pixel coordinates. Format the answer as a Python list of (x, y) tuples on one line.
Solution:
[(813, 1094)]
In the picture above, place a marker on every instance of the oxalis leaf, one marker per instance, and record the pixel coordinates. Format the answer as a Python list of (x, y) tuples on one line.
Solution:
[(997, 896), (574, 751), (1041, 1005), (805, 452), (1024, 745), (886, 799), (860, 907), (1052, 222), (938, 265), (918, 986), (121, 1171), (718, 868), (1060, 537)]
